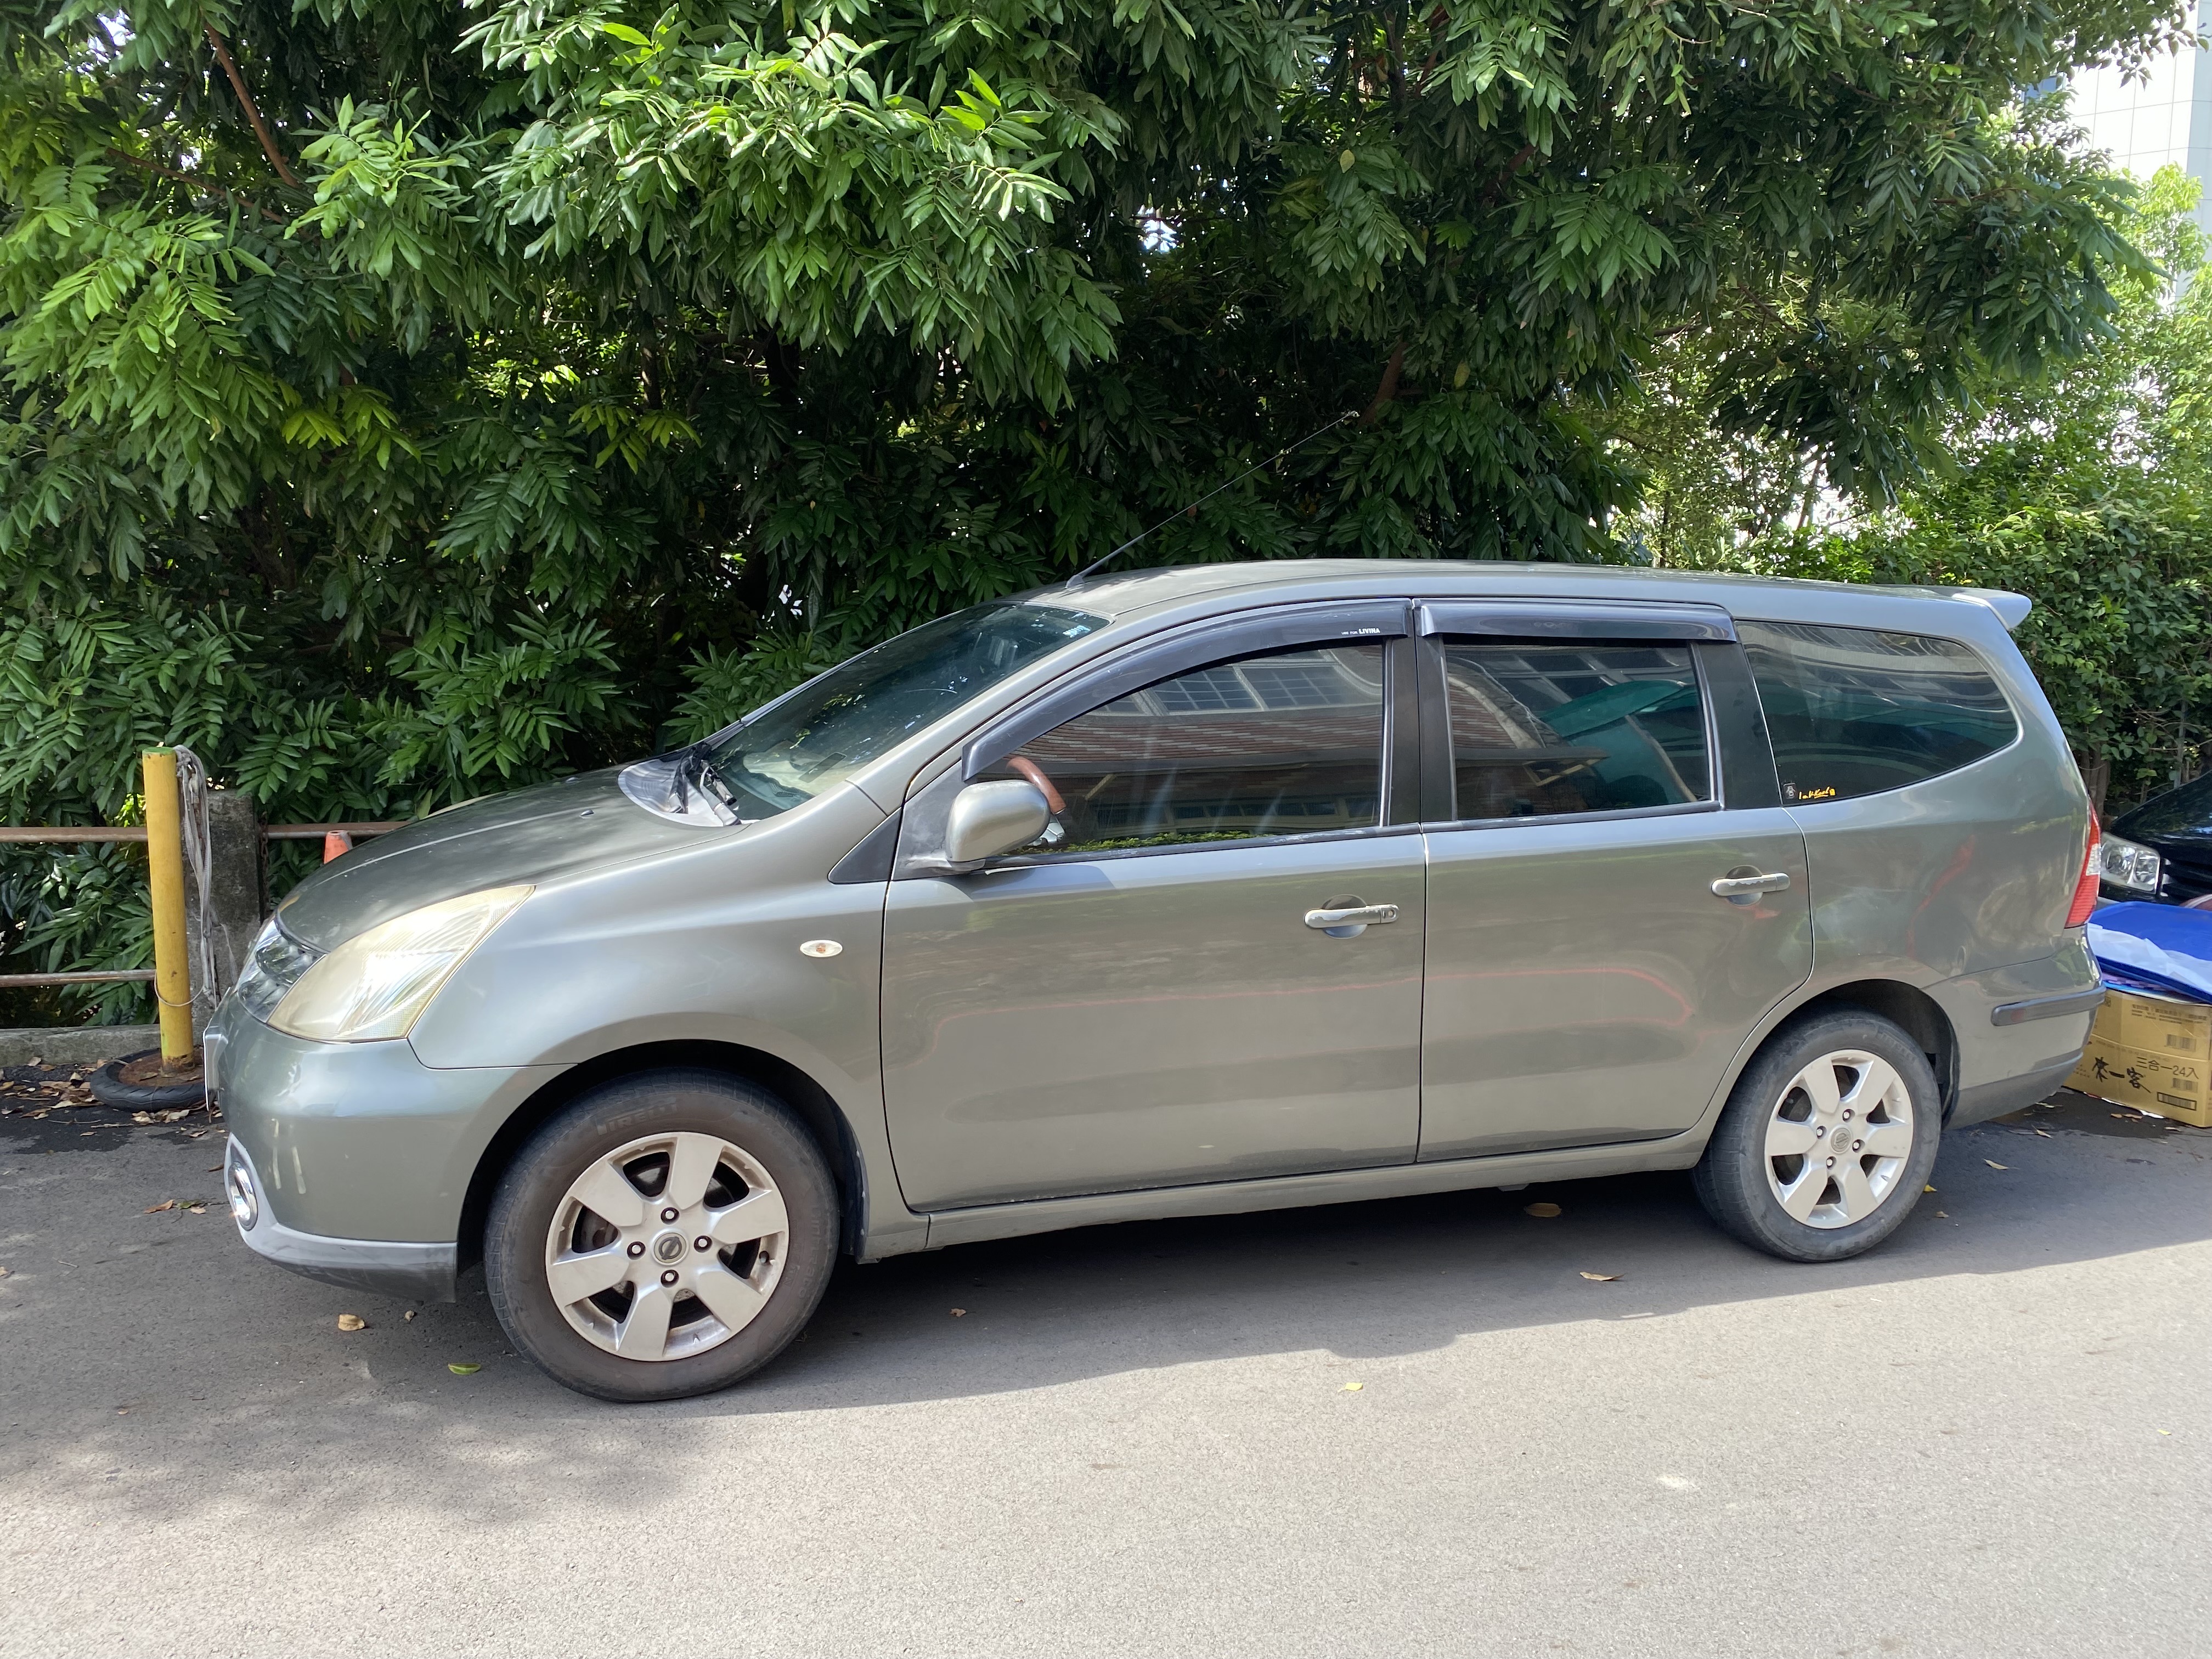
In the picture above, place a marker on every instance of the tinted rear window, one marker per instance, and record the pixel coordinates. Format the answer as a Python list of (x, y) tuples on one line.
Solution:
[(1538, 730), (1854, 711)]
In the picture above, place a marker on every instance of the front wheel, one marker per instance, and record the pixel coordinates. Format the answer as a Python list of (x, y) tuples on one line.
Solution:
[(663, 1236), (1825, 1143)]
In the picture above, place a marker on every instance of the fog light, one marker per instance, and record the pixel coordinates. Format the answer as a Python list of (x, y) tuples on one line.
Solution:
[(245, 1202)]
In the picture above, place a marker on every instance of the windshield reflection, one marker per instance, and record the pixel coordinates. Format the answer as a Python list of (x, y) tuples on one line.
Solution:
[(817, 736)]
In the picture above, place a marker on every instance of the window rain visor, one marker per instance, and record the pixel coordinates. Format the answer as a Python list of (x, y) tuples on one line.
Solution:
[(812, 740)]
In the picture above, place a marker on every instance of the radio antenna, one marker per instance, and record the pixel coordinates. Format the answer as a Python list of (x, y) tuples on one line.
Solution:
[(1077, 579)]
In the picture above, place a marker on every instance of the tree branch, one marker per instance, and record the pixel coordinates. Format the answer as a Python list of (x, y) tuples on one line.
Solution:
[(1438, 21), (204, 186), (1519, 160), (260, 127), (1387, 390)]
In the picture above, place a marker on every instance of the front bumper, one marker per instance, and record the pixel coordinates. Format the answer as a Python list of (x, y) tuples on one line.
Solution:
[(422, 1273), (360, 1156)]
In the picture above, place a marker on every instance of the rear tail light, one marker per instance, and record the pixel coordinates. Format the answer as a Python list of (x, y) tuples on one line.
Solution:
[(2085, 890)]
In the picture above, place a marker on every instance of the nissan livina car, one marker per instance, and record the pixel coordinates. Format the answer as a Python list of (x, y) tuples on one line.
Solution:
[(1175, 893)]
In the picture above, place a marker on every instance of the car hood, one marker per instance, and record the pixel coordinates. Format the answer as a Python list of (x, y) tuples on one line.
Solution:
[(2181, 818), (535, 835)]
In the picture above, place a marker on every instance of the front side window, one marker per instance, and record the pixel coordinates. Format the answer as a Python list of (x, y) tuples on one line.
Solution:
[(836, 723), (1538, 731), (1852, 711), (1286, 744)]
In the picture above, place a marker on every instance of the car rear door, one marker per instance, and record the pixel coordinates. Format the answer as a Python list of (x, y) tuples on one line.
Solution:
[(1159, 996), (1616, 894)]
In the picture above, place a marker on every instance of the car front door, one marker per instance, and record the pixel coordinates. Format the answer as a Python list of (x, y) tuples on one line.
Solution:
[(1618, 897), (1160, 991)]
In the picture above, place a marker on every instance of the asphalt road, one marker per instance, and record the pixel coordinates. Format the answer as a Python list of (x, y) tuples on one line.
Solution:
[(1989, 1437)]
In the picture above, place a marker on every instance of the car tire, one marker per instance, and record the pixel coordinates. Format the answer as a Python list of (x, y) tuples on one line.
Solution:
[(707, 1197), (1850, 1081)]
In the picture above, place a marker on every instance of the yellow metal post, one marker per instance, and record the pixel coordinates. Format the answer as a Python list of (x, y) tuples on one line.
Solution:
[(165, 872)]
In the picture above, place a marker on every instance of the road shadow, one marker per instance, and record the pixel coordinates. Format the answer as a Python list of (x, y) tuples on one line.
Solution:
[(210, 1380)]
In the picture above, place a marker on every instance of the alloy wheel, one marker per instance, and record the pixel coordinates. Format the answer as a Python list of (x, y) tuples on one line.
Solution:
[(1838, 1138), (667, 1246)]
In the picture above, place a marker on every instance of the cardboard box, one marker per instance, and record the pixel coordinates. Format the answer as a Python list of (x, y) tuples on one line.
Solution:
[(2150, 1053)]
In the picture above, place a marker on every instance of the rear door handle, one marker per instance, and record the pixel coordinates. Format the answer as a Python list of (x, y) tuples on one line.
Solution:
[(1728, 887), (1352, 919)]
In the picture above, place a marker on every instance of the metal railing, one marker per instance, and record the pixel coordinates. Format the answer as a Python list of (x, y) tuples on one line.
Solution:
[(62, 835)]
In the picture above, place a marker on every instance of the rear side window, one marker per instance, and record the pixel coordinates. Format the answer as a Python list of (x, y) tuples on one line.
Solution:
[(1854, 711), (1538, 730)]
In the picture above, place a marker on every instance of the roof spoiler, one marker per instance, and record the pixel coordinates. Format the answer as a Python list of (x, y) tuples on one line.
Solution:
[(2012, 609)]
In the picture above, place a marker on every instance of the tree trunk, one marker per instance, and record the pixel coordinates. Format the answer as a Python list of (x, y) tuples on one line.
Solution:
[(2096, 778), (1388, 388)]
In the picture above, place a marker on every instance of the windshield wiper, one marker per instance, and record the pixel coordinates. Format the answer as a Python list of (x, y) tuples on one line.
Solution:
[(777, 797), (690, 767)]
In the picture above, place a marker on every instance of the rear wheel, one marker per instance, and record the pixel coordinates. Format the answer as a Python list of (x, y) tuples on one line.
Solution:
[(1826, 1142), (664, 1236)]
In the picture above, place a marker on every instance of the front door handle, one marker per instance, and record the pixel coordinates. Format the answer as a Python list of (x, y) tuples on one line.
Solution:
[(1742, 885), (1349, 920)]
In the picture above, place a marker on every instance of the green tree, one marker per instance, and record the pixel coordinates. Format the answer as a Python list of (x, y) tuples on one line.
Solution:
[(2090, 489), (407, 401)]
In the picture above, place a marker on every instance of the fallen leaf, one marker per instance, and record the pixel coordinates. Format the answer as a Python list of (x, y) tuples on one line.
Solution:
[(141, 1117), (2165, 1430), (463, 1370), (166, 1204), (1927, 1189), (3, 1273), (1351, 1388), (1994, 1164), (124, 1411), (410, 1314), (960, 1313), (352, 1322), (1543, 1210), (1602, 1278), (1943, 1215), (2046, 1133), (198, 1206)]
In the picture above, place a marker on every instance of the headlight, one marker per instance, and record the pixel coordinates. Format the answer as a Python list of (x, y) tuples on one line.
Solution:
[(2124, 864), (376, 984), (273, 965)]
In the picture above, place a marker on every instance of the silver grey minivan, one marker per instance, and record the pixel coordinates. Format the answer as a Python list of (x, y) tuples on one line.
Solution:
[(1175, 893)]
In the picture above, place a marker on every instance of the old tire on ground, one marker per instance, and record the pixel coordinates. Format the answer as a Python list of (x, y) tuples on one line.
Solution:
[(109, 1088), (1826, 1142), (664, 1235)]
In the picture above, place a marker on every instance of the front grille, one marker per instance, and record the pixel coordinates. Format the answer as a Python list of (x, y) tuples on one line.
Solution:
[(2185, 880)]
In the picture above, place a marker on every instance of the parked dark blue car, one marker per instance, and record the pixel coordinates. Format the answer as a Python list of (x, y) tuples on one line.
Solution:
[(2162, 850)]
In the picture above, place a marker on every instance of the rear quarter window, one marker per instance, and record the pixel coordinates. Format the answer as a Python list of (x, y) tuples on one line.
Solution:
[(1854, 711)]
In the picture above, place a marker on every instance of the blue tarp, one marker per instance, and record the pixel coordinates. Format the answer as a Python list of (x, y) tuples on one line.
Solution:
[(2154, 947)]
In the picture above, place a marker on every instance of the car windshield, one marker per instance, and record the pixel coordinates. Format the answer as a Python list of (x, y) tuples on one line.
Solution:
[(814, 738)]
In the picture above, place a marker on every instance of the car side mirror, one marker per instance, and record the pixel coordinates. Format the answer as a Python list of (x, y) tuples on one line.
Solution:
[(988, 819)]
